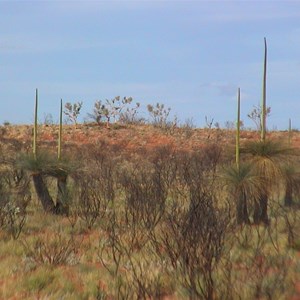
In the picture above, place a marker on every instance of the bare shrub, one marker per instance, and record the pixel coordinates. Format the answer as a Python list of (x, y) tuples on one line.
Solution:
[(163, 159), (110, 251), (116, 249), (255, 116), (73, 215), (121, 240), (131, 117), (192, 236), (101, 161), (159, 114), (120, 109), (124, 253), (130, 114), (145, 277), (94, 185), (72, 111), (145, 194), (89, 204), (193, 240), (15, 196), (291, 219), (188, 128), (12, 220), (259, 273), (55, 249)]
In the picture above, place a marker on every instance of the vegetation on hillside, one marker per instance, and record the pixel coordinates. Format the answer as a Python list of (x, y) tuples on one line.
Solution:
[(132, 210)]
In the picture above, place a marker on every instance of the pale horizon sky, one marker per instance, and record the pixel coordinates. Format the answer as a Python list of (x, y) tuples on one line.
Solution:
[(190, 55)]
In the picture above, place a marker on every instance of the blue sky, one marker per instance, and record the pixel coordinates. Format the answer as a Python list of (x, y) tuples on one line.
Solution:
[(190, 55)]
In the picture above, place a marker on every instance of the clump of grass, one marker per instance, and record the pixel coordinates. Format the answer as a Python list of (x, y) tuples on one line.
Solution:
[(39, 280)]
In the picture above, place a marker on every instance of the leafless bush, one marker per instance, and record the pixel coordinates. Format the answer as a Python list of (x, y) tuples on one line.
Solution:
[(128, 117), (144, 275), (192, 235), (266, 275), (165, 165), (291, 217), (72, 111), (196, 170), (145, 194), (121, 240), (94, 185), (17, 183), (261, 265), (73, 215), (116, 250), (259, 273), (52, 249), (110, 248), (188, 128), (255, 116), (15, 196), (4, 198), (100, 165), (12, 220), (88, 202), (192, 239), (159, 114), (123, 251)]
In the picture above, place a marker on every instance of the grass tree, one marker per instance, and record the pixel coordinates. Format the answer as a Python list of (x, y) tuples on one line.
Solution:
[(264, 155), (36, 164), (240, 180), (263, 164), (243, 185), (267, 159), (291, 175), (42, 164), (61, 172)]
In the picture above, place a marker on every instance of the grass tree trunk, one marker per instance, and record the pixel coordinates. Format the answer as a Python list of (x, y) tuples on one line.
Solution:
[(242, 215), (61, 203), (260, 214), (43, 193), (210, 287), (288, 197), (62, 207)]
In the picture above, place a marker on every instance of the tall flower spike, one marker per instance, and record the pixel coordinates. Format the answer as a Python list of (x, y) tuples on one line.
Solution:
[(34, 150), (238, 122), (263, 103), (60, 131)]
